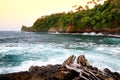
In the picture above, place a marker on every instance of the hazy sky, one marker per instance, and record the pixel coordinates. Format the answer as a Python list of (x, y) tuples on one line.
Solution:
[(15, 13)]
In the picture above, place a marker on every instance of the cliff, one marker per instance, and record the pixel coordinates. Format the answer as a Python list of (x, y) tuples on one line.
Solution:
[(82, 70), (103, 18)]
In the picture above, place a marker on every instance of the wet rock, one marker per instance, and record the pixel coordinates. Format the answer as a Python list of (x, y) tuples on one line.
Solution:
[(69, 61), (81, 60), (18, 76), (112, 75), (66, 71)]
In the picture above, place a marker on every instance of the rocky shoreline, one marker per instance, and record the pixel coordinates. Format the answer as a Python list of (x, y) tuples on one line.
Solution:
[(104, 32), (115, 31), (69, 70), (90, 33)]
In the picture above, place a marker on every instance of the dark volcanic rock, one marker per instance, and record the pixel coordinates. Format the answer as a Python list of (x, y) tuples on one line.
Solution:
[(17, 76), (67, 71)]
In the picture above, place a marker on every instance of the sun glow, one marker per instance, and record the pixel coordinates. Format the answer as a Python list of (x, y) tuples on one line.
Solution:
[(15, 13)]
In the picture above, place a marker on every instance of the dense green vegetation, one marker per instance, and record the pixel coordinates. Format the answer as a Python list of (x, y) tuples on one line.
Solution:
[(101, 17)]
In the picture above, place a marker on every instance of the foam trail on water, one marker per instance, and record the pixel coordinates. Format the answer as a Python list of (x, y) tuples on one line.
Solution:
[(39, 49), (93, 33)]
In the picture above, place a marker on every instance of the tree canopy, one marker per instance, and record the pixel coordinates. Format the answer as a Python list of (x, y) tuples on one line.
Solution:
[(105, 16)]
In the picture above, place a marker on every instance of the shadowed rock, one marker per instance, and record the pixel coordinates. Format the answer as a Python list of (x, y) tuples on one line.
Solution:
[(67, 71), (81, 60), (18, 76), (69, 61)]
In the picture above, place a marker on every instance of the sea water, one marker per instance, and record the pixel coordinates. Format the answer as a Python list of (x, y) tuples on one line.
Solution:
[(20, 50)]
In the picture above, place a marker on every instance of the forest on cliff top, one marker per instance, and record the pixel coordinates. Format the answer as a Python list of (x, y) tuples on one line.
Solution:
[(101, 17)]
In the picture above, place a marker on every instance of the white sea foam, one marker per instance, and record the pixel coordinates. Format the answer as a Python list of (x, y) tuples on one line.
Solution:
[(92, 33), (114, 35), (115, 51), (106, 64), (85, 33), (100, 48), (96, 60), (102, 62), (24, 66), (55, 53), (99, 34), (3, 51)]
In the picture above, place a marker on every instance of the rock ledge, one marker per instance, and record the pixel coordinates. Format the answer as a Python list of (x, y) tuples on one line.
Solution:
[(69, 70)]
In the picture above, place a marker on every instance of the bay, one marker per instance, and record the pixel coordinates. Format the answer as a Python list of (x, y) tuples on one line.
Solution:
[(20, 50)]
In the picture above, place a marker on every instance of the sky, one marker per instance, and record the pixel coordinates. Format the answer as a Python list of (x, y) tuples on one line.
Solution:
[(15, 13)]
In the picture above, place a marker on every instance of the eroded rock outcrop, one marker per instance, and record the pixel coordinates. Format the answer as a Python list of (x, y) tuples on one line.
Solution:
[(69, 70)]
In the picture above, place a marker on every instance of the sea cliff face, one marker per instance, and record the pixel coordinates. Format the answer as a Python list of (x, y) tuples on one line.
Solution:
[(70, 29), (102, 18)]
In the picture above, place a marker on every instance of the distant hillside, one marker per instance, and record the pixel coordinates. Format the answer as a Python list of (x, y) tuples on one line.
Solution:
[(102, 18)]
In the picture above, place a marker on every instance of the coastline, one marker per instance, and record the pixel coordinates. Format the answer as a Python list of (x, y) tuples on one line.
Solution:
[(96, 32), (56, 44), (68, 70), (89, 34)]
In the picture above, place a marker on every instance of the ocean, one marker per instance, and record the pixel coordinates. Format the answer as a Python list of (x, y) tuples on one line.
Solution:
[(20, 50)]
